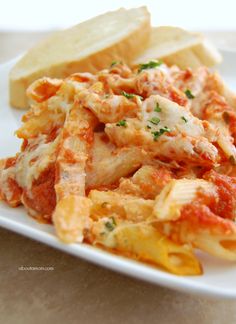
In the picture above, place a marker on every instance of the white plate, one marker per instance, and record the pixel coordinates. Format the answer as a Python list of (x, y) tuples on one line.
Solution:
[(219, 279)]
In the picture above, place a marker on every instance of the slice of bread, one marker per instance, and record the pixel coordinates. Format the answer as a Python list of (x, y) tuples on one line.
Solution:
[(89, 46), (177, 46)]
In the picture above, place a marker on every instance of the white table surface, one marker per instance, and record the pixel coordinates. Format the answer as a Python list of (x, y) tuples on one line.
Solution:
[(79, 292)]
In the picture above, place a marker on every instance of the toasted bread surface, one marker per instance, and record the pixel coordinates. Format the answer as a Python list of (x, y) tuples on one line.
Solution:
[(177, 46)]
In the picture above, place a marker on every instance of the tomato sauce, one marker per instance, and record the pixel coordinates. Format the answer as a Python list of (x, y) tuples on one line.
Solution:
[(42, 196), (199, 216), (225, 203), (178, 98)]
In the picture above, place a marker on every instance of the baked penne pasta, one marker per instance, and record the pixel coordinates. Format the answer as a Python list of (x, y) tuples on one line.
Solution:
[(138, 161)]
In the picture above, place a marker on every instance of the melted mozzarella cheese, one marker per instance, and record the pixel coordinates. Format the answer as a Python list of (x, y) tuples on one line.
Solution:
[(31, 163)]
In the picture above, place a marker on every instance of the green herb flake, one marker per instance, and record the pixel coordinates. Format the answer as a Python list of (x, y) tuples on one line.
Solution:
[(122, 123), (161, 131), (184, 119), (113, 63), (149, 127), (154, 120), (107, 95), (157, 108), (189, 94), (226, 117), (232, 160), (127, 95), (130, 95), (149, 65), (111, 224)]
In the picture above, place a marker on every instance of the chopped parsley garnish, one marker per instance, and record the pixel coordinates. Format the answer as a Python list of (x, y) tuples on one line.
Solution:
[(107, 95), (226, 117), (149, 65), (232, 160), (189, 94), (111, 224), (161, 131), (122, 123), (157, 108), (154, 120), (149, 127), (128, 95), (113, 63), (184, 119)]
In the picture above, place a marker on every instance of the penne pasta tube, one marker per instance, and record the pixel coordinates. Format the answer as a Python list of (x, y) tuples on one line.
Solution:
[(204, 230), (144, 243), (71, 218), (71, 214), (176, 194), (44, 88), (147, 182), (43, 123), (109, 203), (109, 163), (110, 108), (76, 139)]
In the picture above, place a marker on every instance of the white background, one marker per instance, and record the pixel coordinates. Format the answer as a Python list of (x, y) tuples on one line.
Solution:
[(209, 15)]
